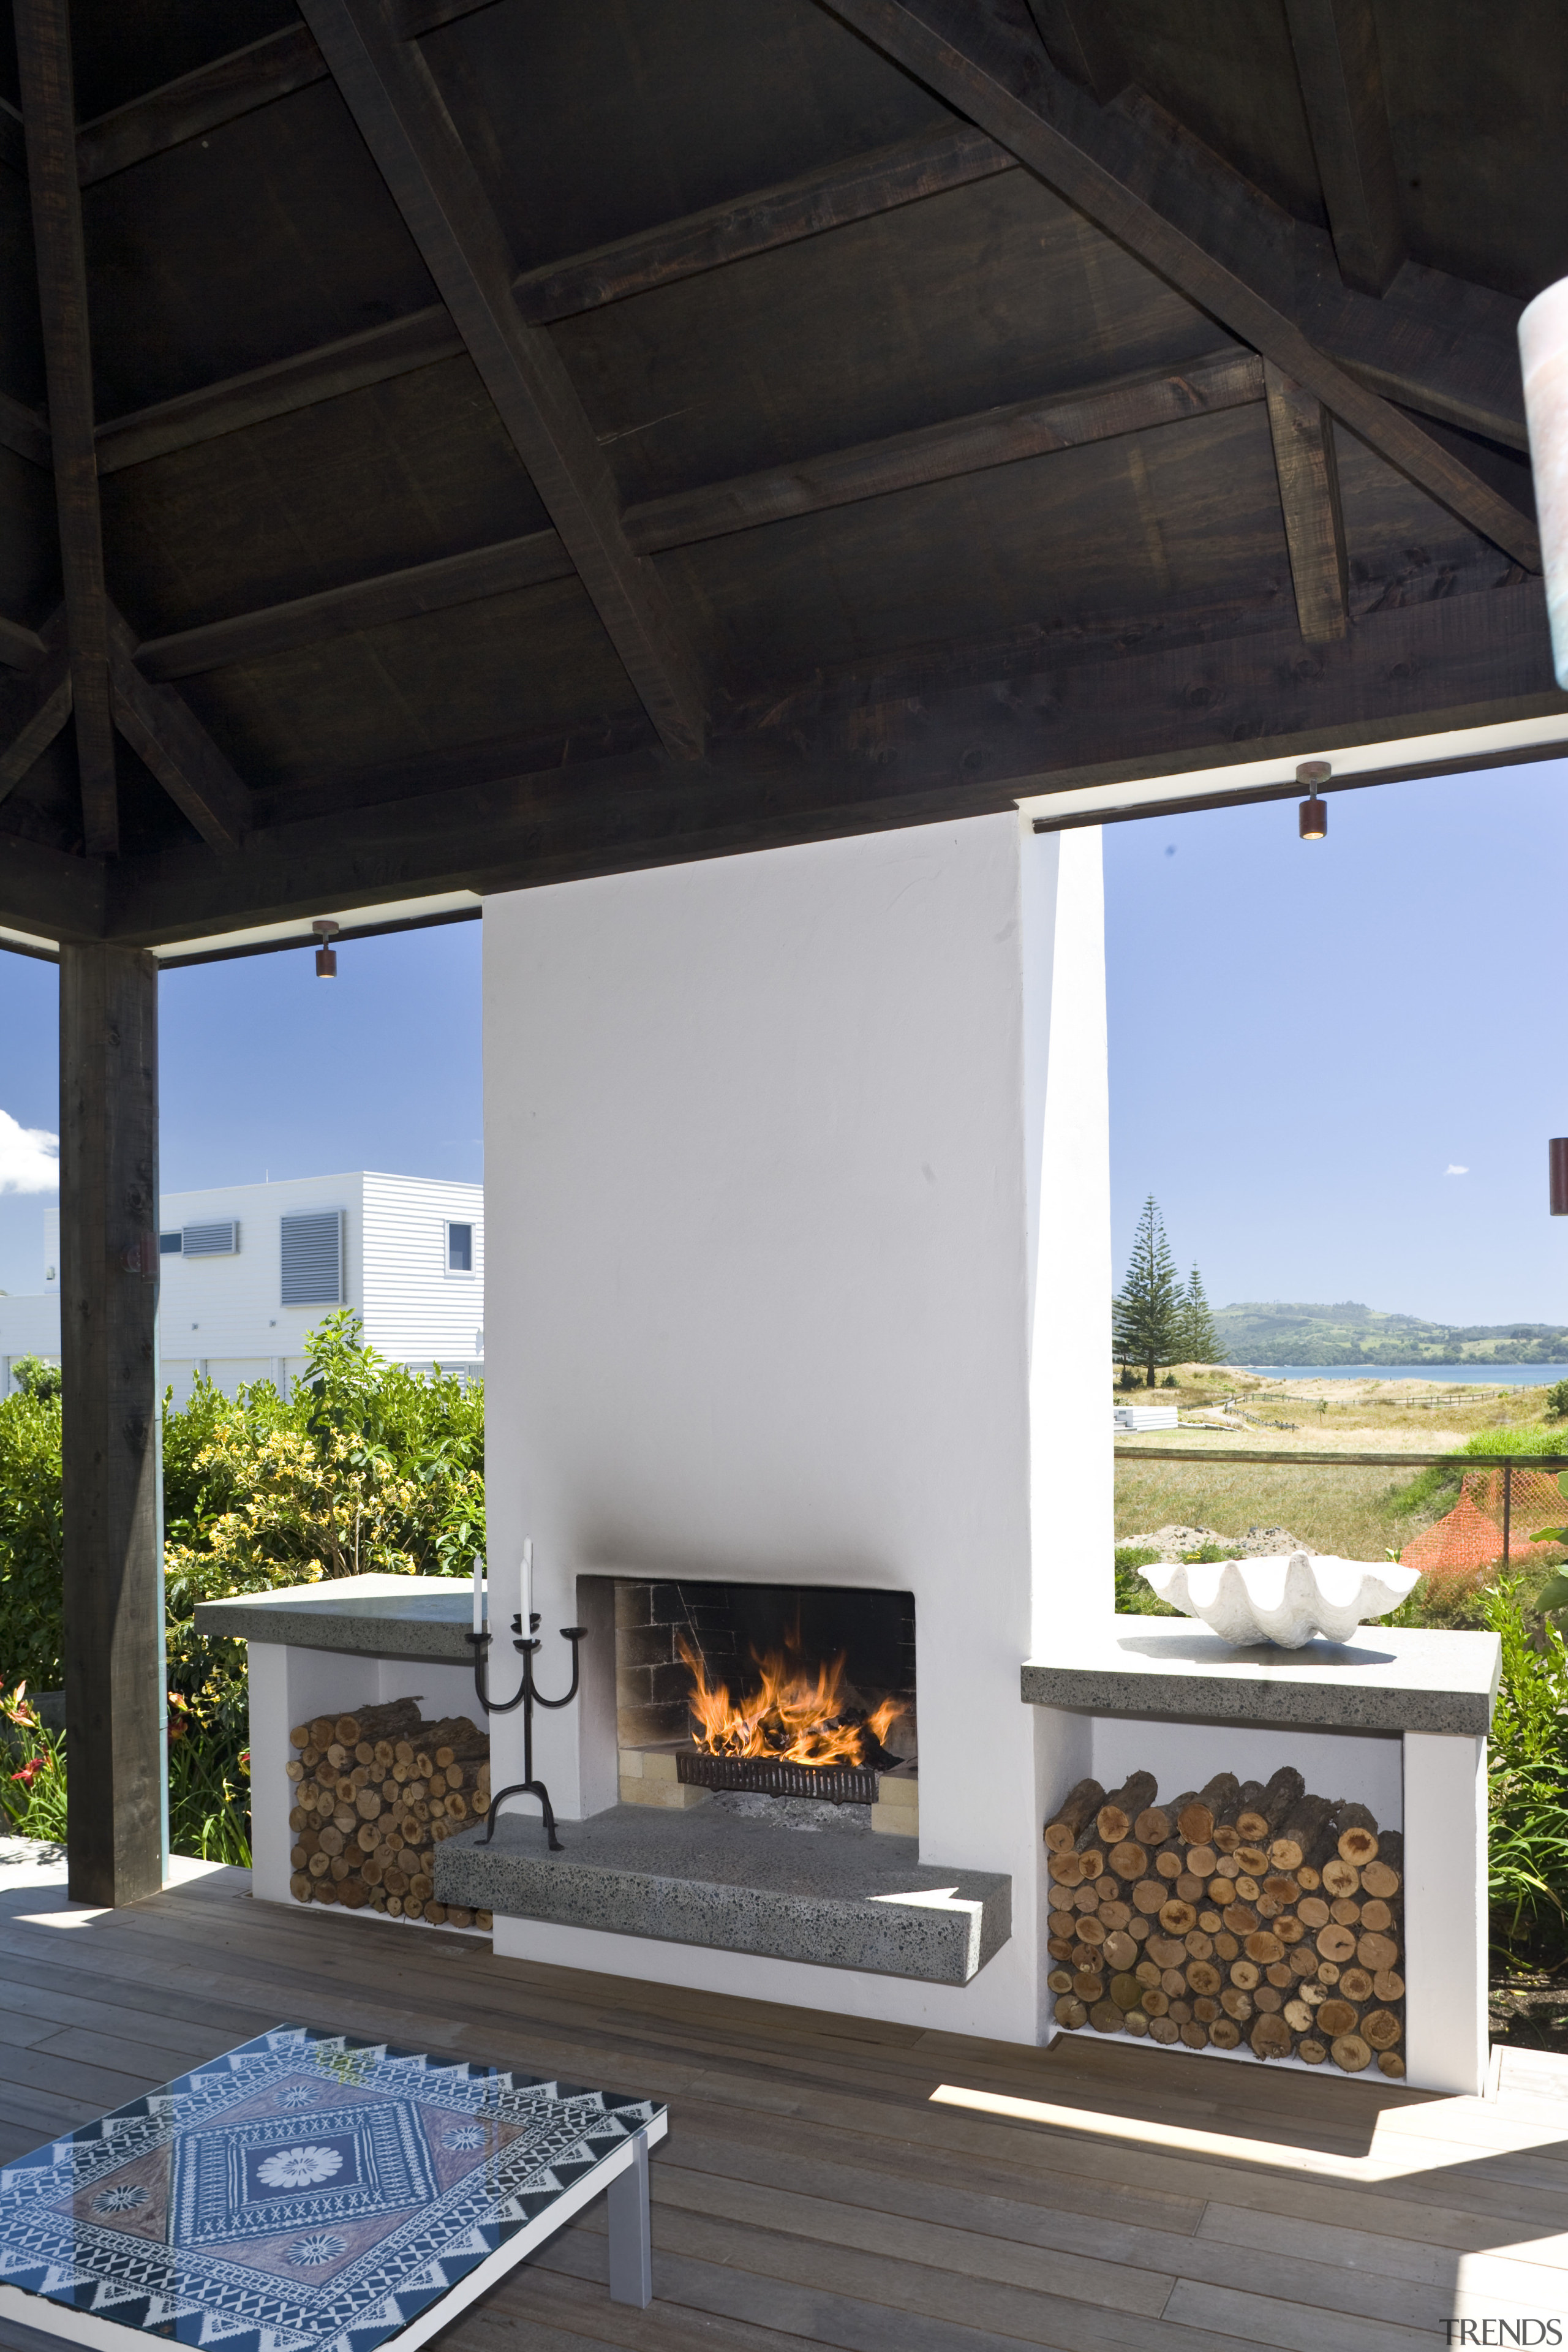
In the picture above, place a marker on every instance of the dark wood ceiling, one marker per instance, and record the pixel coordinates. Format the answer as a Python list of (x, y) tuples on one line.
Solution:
[(457, 443)]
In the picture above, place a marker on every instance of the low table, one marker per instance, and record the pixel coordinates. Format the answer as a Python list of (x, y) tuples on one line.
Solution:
[(307, 2192)]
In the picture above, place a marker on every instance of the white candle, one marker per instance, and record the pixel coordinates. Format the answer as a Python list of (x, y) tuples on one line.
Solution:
[(479, 1595), (525, 1589)]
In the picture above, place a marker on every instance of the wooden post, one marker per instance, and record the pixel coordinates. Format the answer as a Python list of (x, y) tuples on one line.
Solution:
[(109, 1295)]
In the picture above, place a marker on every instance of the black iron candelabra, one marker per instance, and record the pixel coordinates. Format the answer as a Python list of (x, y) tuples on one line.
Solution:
[(527, 1698)]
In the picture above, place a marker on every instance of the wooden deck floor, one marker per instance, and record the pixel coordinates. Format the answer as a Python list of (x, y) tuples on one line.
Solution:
[(868, 2187)]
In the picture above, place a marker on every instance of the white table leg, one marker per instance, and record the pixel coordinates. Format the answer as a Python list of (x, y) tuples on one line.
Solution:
[(631, 2239)]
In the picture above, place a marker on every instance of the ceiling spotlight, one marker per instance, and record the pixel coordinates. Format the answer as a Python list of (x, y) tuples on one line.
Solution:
[(1314, 815), (326, 931)]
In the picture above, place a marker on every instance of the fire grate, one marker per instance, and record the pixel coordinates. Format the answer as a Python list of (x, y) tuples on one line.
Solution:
[(768, 1776)]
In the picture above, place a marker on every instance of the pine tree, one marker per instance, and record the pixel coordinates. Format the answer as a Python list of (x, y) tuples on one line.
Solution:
[(1199, 1343), (1146, 1320)]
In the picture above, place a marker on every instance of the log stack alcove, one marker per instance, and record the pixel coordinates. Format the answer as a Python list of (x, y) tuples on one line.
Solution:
[(1300, 1858), (1241, 1916)]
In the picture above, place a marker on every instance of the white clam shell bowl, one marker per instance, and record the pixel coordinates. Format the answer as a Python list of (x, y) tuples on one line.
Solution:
[(1286, 1599)]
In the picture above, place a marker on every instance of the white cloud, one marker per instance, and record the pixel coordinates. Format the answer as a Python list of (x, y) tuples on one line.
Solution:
[(1453, 1169), (29, 1157)]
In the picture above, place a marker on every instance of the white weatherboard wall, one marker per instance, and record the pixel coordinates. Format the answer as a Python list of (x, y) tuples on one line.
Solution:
[(770, 1138), (224, 1315)]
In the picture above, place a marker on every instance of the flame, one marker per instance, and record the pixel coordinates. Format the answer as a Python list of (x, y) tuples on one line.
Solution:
[(795, 1715)]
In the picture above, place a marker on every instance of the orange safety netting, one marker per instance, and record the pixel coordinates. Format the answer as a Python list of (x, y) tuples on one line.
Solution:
[(1470, 1536)]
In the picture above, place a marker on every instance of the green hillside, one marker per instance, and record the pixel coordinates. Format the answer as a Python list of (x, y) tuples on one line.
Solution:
[(1348, 1333)]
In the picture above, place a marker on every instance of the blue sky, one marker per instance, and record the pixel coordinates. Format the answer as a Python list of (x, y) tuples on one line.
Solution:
[(266, 1070), (1307, 1036), (1305, 1039)]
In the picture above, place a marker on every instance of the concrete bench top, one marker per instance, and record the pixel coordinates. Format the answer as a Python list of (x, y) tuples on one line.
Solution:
[(423, 1617), (847, 1899), (1398, 1678)]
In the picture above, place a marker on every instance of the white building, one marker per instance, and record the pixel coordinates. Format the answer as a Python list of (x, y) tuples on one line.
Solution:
[(247, 1270)]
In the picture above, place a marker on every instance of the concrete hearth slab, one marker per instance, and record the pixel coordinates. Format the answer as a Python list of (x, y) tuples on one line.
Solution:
[(424, 1617), (1385, 1678), (857, 1901)]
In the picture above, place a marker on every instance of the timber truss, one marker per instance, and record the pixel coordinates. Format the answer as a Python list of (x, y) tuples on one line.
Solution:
[(1032, 444)]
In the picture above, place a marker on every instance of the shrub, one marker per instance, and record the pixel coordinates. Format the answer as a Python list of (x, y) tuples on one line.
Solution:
[(1527, 1792), (366, 1466), (32, 1770), (1136, 1596), (1557, 1400), (30, 1539)]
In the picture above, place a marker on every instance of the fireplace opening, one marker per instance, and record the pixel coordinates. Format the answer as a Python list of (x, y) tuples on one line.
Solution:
[(782, 1700)]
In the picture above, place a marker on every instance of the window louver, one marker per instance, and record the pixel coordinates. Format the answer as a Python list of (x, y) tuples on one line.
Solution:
[(313, 1259), (220, 1239)]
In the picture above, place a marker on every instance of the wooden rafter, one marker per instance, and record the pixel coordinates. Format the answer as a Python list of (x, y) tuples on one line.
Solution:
[(1440, 345), (1201, 237), (838, 193), (24, 431), (346, 364), (940, 453), (44, 62), (38, 704), (159, 725), (13, 139), (495, 571), (935, 452), (389, 90), (52, 893), (928, 164), (232, 85), (844, 759), (1341, 74), (1308, 479), (1081, 42), (20, 648)]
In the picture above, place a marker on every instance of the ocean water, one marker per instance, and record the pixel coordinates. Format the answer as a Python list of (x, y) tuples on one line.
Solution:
[(1492, 1376)]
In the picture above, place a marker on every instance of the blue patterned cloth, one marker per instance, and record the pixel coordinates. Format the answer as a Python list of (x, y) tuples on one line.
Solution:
[(303, 2193)]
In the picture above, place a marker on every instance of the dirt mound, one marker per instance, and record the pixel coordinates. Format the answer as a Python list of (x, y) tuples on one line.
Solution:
[(1173, 1543)]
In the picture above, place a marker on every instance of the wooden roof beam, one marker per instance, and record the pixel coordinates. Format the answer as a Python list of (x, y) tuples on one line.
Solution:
[(1081, 42), (163, 728), (13, 139), (831, 761), (44, 64), (49, 892), (1341, 74), (232, 85), (390, 92), (857, 189), (39, 704), (1196, 222), (1309, 480), (934, 453), (940, 453), (495, 571)]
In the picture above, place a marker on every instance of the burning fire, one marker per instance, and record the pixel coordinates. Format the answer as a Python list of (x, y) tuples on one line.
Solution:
[(795, 1715)]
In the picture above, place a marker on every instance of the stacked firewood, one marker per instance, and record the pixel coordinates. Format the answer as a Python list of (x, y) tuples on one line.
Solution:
[(1240, 1917), (375, 1792)]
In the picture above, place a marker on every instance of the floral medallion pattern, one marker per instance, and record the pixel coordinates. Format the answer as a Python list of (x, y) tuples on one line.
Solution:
[(311, 2252), (129, 2199), (300, 2167)]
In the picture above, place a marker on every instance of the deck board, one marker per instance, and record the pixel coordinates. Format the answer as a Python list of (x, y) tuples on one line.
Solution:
[(812, 2191)]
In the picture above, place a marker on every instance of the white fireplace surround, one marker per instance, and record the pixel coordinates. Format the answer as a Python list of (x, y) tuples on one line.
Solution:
[(798, 1193)]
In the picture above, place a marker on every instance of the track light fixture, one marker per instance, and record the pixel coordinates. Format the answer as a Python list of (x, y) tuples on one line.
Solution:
[(1314, 815), (326, 931)]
